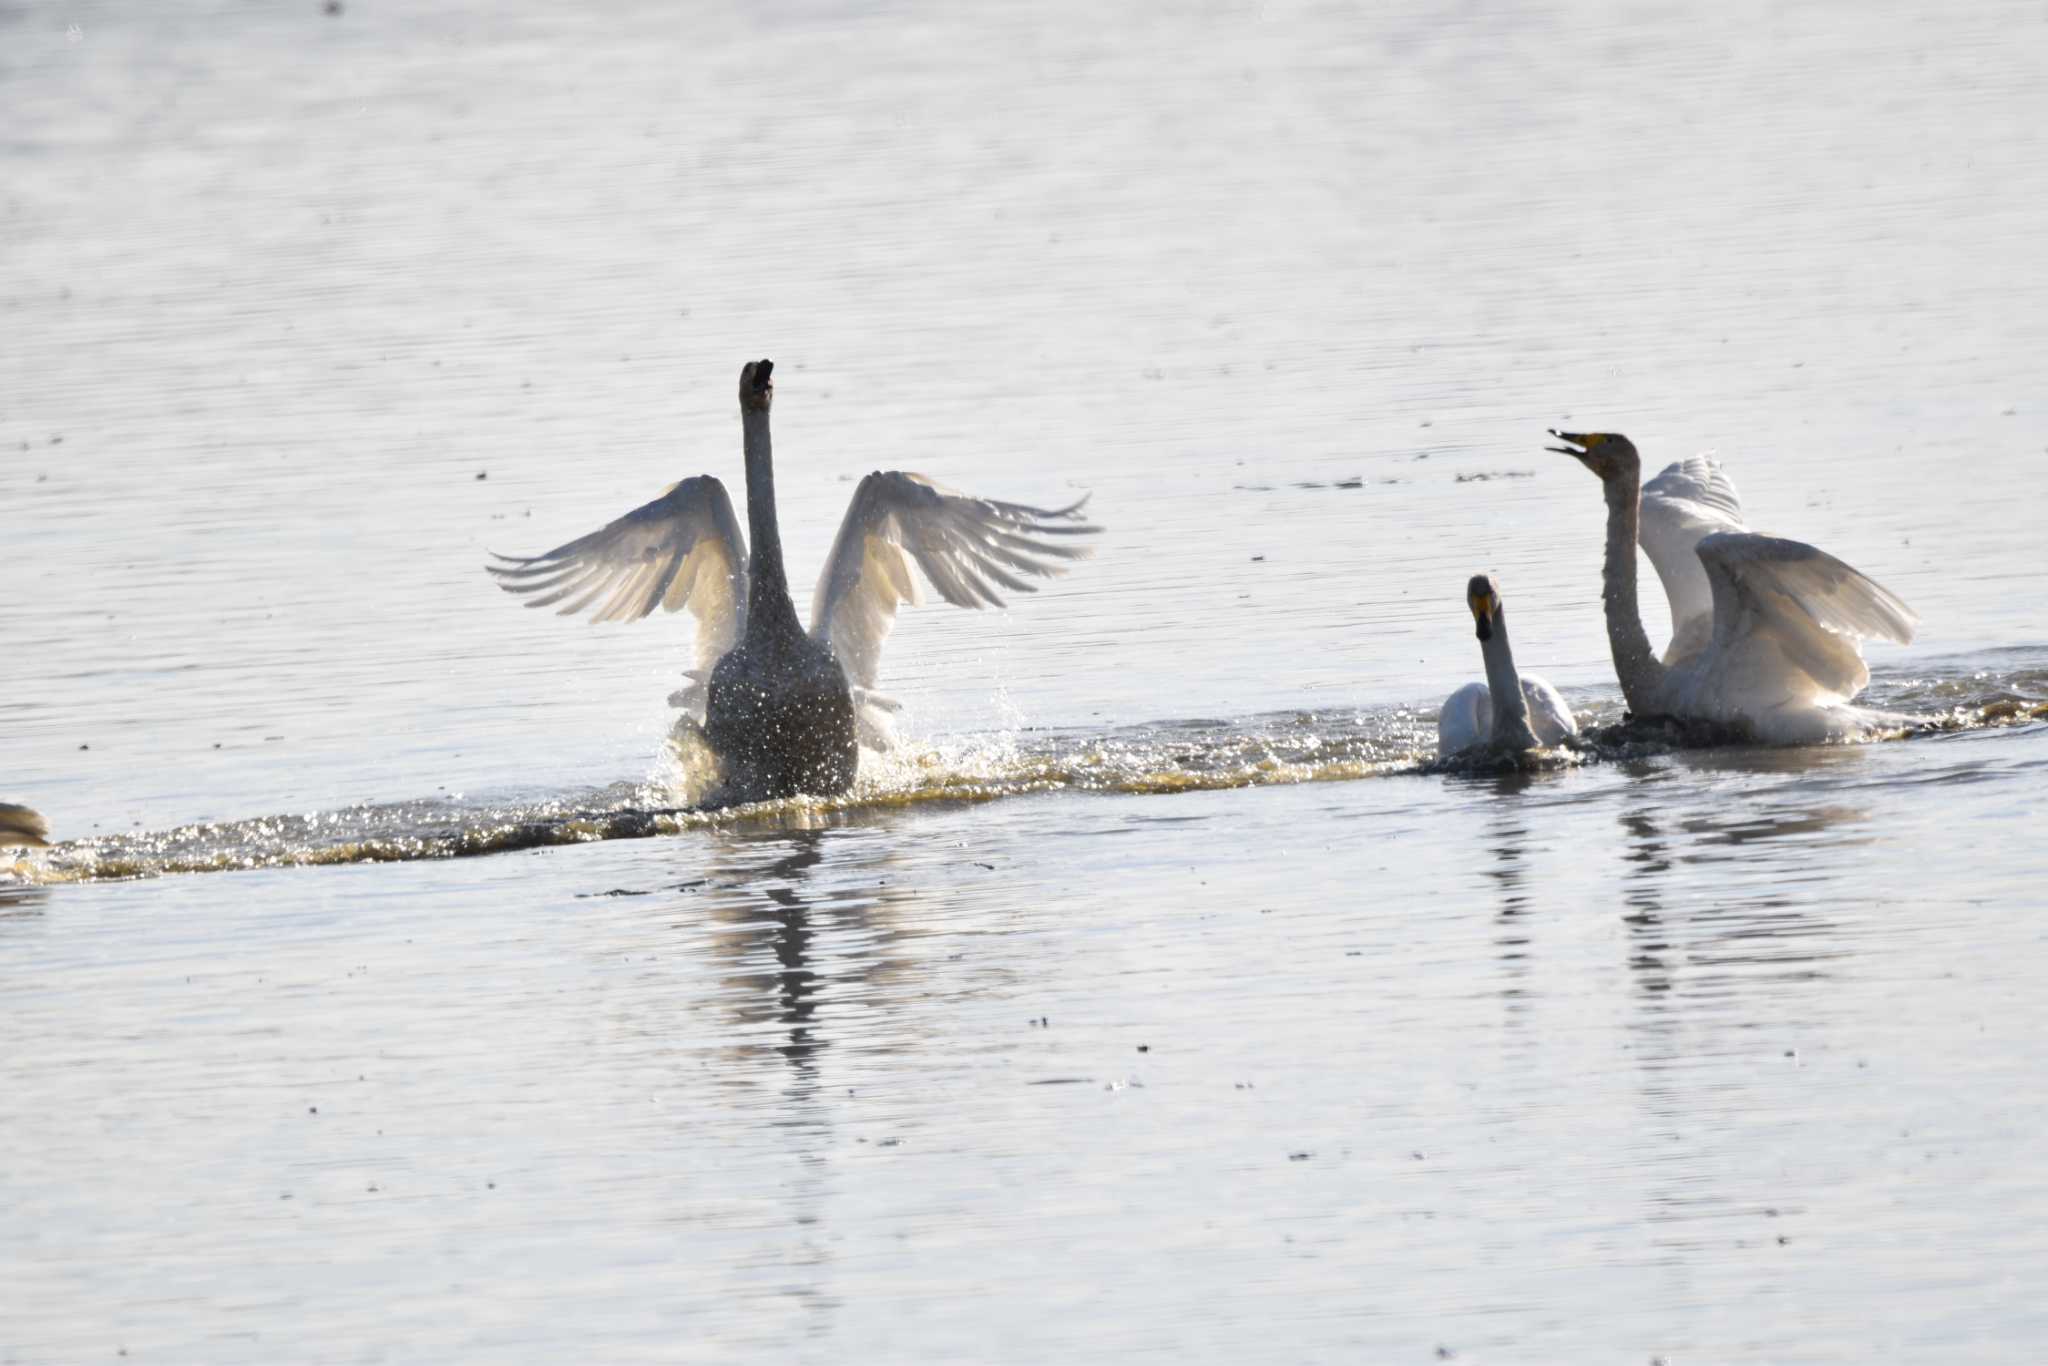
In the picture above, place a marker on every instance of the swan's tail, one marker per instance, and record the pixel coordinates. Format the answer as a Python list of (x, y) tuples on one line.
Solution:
[(21, 825)]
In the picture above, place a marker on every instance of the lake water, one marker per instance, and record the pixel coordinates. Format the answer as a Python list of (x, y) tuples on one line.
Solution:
[(1148, 1003)]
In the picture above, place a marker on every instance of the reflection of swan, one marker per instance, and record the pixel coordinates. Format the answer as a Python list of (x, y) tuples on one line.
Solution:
[(1778, 655), (789, 934), (20, 825), (1511, 710), (780, 706), (806, 933)]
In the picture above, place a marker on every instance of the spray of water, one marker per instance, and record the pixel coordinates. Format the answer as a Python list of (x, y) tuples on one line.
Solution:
[(1156, 758)]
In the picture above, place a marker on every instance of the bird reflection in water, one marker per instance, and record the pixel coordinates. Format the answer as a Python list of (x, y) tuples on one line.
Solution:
[(1508, 838), (792, 951), (20, 904), (788, 945), (1648, 863), (788, 935), (1755, 894), (1728, 938)]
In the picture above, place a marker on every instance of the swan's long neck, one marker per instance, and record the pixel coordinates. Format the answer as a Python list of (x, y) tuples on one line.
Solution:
[(768, 604), (1504, 682), (1636, 667)]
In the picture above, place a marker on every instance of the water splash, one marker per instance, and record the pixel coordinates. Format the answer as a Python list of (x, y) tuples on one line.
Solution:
[(1337, 745)]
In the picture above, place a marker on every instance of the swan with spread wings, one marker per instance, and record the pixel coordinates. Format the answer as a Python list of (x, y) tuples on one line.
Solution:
[(783, 709), (1765, 631)]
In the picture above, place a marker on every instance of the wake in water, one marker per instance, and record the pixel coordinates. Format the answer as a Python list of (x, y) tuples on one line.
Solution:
[(1335, 745), (1173, 757)]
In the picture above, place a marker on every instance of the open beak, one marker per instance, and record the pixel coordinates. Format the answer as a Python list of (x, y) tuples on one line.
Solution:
[(1575, 438)]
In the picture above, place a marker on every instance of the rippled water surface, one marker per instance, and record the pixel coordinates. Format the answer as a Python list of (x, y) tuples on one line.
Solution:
[(1155, 999)]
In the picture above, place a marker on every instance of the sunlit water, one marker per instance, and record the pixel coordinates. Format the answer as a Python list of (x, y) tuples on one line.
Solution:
[(1157, 998)]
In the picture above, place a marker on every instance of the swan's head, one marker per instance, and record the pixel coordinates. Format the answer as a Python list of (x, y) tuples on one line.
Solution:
[(1606, 454), (1485, 604), (757, 391)]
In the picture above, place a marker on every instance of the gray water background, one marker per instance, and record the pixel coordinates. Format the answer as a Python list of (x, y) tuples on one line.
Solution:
[(1717, 1056)]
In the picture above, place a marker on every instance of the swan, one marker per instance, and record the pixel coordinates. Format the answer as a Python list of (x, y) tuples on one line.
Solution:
[(23, 826), (784, 710), (1765, 630), (1511, 710)]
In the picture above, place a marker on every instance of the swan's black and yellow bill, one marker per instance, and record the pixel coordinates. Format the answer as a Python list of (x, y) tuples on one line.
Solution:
[(1585, 440), (1484, 602)]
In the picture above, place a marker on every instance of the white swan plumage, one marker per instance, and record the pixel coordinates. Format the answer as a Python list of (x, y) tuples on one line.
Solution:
[(1511, 710), (1765, 630), (1689, 501), (784, 710)]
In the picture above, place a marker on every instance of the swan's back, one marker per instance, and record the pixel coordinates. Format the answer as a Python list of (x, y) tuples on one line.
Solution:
[(1467, 716), (1466, 719), (1550, 716)]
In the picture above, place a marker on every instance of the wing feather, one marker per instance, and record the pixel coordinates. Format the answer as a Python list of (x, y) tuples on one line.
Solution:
[(628, 602), (567, 585), (966, 547), (1689, 500), (1702, 481), (683, 550), (1787, 597)]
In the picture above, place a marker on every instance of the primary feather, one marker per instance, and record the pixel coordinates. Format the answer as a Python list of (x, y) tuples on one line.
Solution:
[(968, 548), (682, 551), (1787, 616)]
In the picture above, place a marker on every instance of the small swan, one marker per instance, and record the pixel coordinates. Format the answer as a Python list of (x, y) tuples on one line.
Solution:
[(1511, 710), (1765, 630), (20, 825), (785, 710)]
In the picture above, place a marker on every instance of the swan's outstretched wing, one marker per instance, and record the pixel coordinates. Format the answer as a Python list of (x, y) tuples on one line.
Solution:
[(967, 547), (1689, 500), (1782, 605), (684, 549), (24, 826), (1466, 719), (1701, 482)]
